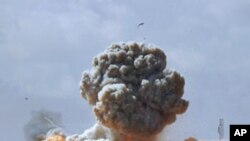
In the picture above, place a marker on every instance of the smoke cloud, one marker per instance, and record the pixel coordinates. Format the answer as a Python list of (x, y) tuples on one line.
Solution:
[(132, 91), (133, 94), (43, 123)]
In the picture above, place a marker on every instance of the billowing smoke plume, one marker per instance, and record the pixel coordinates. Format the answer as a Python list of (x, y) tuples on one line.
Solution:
[(97, 133), (42, 124), (132, 92)]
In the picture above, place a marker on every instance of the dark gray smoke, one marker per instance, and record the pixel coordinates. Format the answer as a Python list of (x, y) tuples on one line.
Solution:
[(40, 123), (134, 96), (132, 91)]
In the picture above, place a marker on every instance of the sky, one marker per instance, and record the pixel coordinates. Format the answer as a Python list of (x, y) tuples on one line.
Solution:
[(46, 44)]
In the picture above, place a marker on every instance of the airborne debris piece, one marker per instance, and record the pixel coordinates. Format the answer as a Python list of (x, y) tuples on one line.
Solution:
[(52, 124), (221, 129), (132, 92), (140, 24), (26, 98)]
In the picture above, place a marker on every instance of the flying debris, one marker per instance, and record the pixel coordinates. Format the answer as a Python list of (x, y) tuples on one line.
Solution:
[(221, 129), (140, 24), (26, 98), (52, 124)]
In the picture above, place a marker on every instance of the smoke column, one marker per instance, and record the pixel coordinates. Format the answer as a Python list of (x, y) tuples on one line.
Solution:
[(42, 124), (133, 94)]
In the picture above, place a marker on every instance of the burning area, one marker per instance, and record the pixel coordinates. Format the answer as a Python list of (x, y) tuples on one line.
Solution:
[(133, 94)]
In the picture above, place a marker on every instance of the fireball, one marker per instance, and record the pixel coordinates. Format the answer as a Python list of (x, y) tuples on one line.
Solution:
[(56, 138)]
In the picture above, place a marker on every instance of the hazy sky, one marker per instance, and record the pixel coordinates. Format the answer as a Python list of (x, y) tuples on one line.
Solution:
[(46, 44)]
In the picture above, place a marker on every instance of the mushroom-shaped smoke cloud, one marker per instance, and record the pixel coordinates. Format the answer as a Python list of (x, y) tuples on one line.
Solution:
[(131, 90)]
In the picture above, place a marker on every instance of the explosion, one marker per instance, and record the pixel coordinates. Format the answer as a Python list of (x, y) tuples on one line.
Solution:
[(133, 94), (191, 139), (56, 138), (131, 90)]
